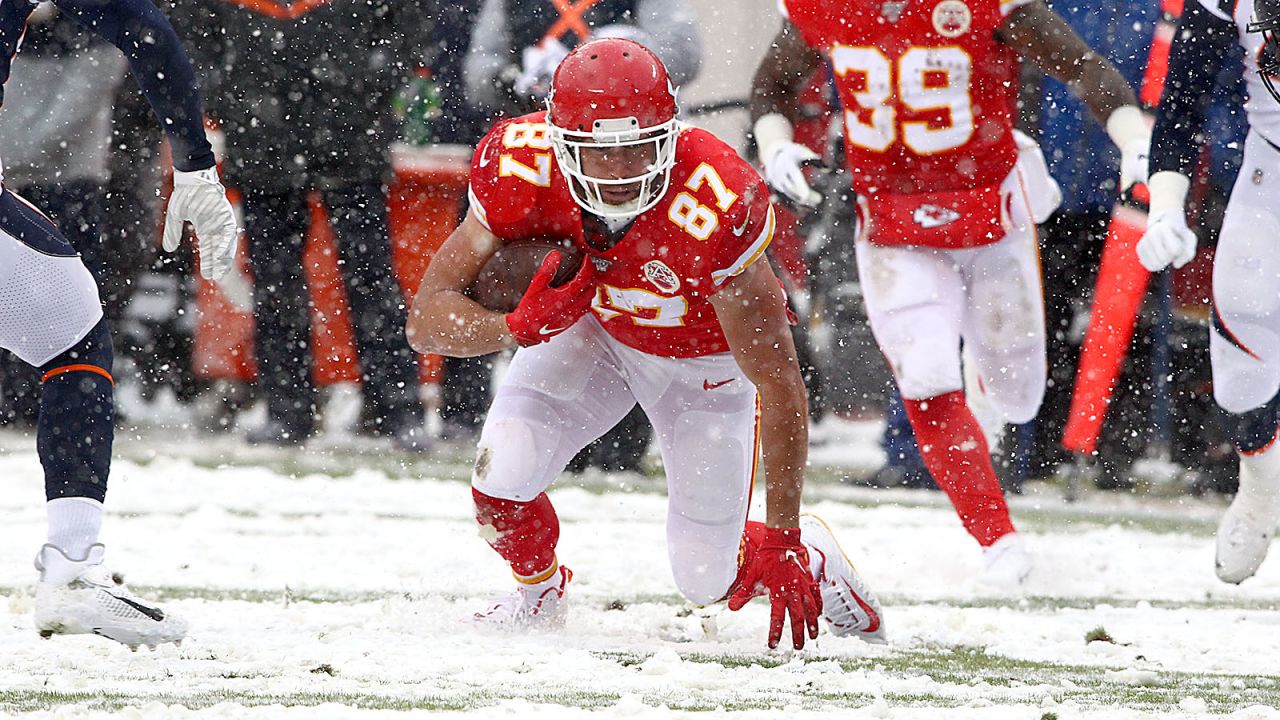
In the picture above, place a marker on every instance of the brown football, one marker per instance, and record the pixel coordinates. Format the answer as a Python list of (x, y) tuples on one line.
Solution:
[(503, 280)]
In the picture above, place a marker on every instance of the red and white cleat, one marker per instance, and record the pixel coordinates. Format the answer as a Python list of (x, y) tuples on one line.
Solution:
[(848, 605), (540, 605)]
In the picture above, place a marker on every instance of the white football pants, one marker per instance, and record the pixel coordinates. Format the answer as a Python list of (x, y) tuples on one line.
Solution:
[(559, 396), (1245, 347), (48, 299), (922, 301)]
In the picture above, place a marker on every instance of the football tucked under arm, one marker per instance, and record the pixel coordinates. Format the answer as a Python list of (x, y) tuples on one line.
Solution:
[(505, 277)]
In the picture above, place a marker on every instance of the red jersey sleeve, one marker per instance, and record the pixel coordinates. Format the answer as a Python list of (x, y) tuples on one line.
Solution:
[(736, 252), (811, 18), (514, 179), (728, 184)]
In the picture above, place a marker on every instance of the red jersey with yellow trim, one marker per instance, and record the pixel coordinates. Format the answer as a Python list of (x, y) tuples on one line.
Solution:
[(652, 284), (928, 93)]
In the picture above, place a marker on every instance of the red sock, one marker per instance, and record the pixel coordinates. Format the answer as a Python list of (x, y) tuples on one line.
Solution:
[(524, 533), (955, 451)]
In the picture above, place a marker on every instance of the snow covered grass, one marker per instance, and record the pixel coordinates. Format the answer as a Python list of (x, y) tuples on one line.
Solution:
[(333, 583)]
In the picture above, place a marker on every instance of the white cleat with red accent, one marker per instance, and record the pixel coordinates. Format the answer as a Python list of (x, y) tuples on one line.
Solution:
[(848, 605), (540, 605), (77, 597)]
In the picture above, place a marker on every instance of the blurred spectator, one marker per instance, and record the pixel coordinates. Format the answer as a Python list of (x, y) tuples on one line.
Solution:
[(515, 47), (1086, 166), (55, 133), (460, 122), (305, 94), (156, 328), (517, 44)]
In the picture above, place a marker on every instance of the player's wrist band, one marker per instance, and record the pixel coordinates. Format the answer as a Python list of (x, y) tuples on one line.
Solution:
[(1126, 124), (1168, 190), (772, 130)]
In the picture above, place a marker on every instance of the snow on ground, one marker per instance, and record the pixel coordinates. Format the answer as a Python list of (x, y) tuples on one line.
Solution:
[(333, 584)]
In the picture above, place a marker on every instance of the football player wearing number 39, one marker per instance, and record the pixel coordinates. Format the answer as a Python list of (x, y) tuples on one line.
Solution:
[(675, 308), (948, 198)]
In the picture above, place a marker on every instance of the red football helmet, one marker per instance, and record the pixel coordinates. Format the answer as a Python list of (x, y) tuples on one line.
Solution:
[(613, 93)]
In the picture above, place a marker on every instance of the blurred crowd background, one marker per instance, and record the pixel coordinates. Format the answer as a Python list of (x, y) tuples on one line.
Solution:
[(345, 129)]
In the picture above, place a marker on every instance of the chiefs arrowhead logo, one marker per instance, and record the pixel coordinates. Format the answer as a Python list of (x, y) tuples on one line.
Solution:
[(932, 216), (662, 277), (281, 9)]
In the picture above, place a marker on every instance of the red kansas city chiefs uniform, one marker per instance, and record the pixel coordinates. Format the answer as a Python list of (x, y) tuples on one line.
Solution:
[(929, 97), (652, 285)]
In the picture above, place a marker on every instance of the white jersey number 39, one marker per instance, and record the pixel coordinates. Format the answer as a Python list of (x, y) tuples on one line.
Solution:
[(924, 80)]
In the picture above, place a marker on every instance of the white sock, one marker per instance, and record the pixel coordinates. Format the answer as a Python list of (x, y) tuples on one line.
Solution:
[(74, 525), (1260, 478)]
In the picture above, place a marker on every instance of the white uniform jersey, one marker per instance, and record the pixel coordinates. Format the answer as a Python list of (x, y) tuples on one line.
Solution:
[(1262, 109)]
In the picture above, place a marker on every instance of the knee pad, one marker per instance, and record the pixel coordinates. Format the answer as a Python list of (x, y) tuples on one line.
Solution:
[(1255, 430), (513, 462), (1018, 399), (928, 369), (704, 561)]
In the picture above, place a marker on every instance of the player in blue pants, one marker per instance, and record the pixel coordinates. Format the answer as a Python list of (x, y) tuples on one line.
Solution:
[(1244, 343), (51, 317)]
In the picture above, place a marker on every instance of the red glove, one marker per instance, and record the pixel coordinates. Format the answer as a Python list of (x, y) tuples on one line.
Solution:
[(546, 311), (780, 566)]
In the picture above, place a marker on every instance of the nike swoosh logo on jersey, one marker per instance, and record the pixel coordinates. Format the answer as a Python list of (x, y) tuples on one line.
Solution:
[(154, 613), (544, 330), (743, 227), (708, 385)]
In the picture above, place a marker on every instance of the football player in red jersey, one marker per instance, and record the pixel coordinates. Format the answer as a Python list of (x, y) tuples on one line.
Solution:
[(948, 197), (672, 308)]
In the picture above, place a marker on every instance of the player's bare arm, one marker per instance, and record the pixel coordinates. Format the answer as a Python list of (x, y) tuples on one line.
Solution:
[(778, 81), (443, 319), (1044, 38), (753, 315), (787, 64)]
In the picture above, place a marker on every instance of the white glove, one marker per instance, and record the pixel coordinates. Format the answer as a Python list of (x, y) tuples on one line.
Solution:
[(784, 164), (538, 65), (1167, 240), (1133, 162), (199, 198)]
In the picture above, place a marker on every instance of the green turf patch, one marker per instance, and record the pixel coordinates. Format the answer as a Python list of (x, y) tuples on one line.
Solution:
[(959, 675)]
